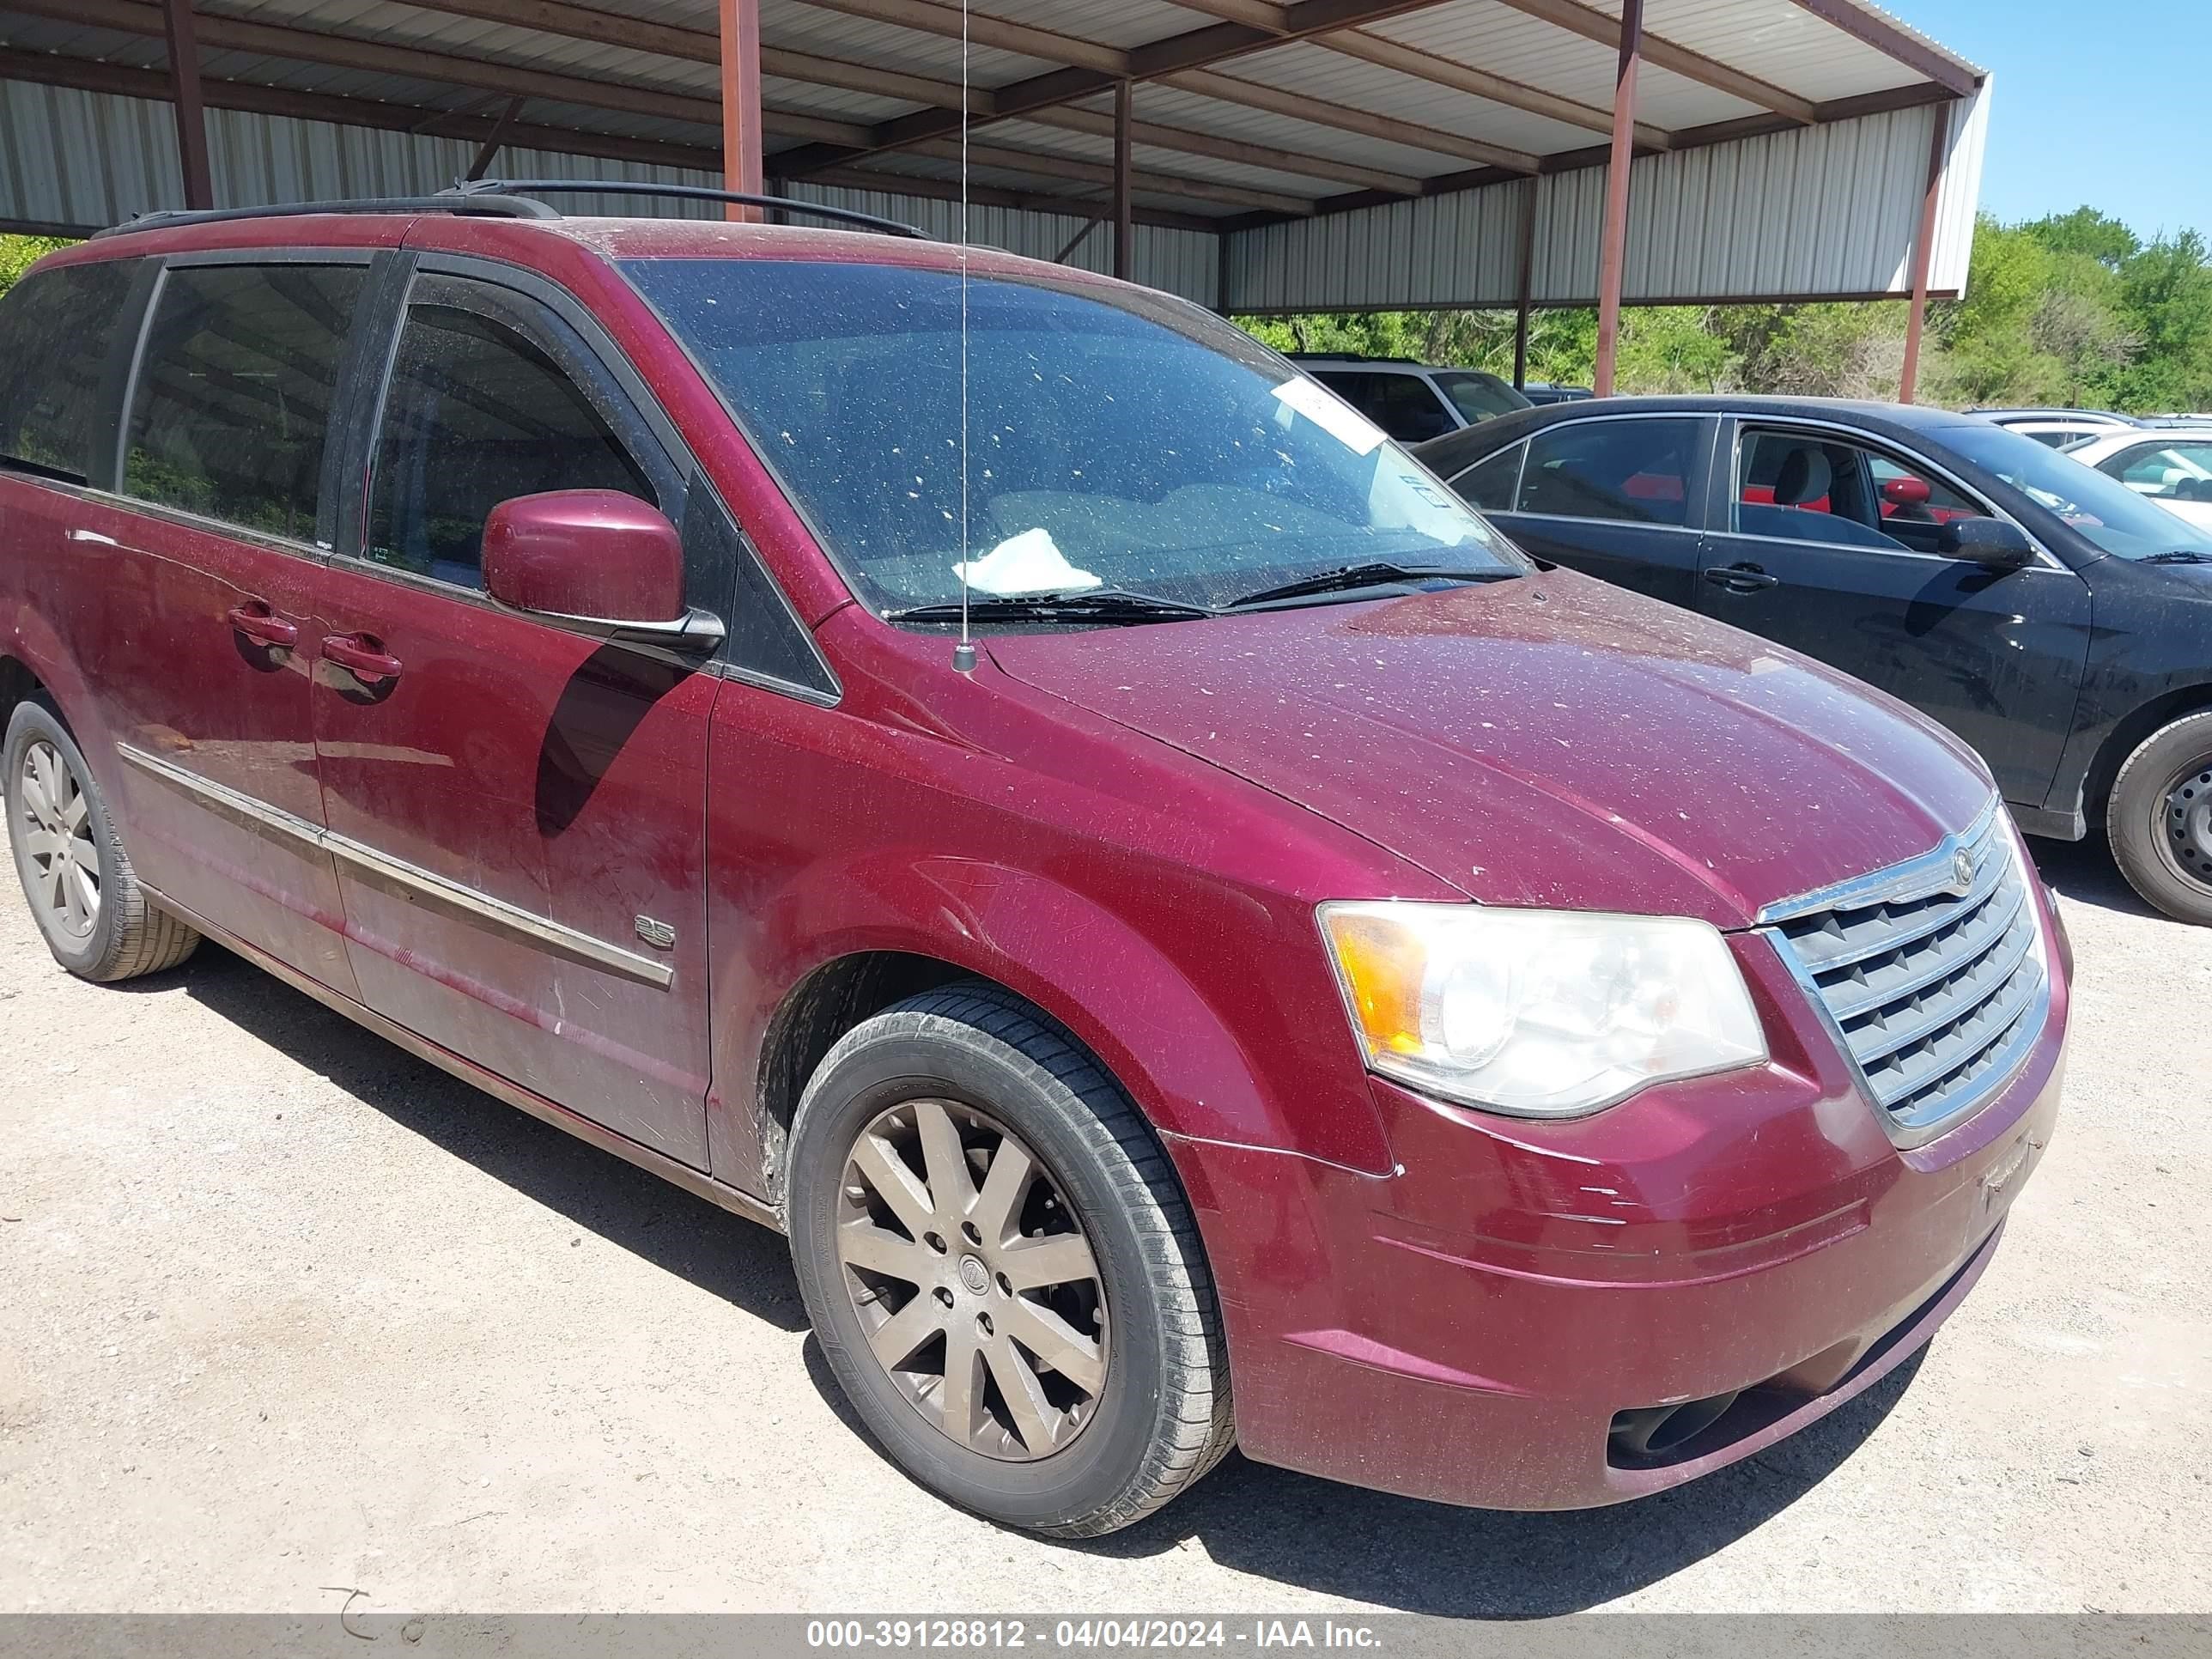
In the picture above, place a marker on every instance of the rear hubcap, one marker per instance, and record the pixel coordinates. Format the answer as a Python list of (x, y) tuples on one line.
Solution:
[(54, 821), (2189, 822), (972, 1280)]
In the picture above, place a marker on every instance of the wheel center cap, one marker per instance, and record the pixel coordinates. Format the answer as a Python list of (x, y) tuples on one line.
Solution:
[(974, 1274)]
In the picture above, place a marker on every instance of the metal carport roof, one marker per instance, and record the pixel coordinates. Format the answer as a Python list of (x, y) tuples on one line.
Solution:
[(1312, 154)]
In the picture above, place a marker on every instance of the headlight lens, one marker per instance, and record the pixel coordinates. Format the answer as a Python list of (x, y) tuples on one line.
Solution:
[(1540, 1013)]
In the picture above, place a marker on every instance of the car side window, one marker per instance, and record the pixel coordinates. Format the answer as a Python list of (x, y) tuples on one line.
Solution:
[(1807, 487), (56, 332), (1637, 469), (1490, 485), (236, 379), (1403, 405), (477, 412), (2171, 472)]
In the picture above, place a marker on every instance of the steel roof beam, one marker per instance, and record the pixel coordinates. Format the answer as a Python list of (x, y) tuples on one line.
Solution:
[(85, 74), (1897, 43), (1192, 50), (1605, 29), (1301, 106), (943, 190), (935, 17), (605, 28), (1481, 83), (1101, 173), (382, 58), (1153, 136)]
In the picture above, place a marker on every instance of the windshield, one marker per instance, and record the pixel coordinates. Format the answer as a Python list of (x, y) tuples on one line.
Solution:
[(1479, 396), (2103, 510), (1117, 439)]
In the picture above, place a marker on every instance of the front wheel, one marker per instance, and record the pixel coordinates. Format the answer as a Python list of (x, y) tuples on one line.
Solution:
[(2160, 821), (1001, 1269)]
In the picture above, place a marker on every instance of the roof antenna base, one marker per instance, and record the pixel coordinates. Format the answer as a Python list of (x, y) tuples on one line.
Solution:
[(963, 657)]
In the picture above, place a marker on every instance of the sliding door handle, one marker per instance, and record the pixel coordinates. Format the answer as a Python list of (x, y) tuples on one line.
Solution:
[(254, 619), (362, 657)]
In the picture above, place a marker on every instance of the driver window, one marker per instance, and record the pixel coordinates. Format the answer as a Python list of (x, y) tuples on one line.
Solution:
[(1799, 486), (478, 414)]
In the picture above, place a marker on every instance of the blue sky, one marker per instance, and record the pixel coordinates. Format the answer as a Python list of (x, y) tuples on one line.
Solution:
[(2103, 102)]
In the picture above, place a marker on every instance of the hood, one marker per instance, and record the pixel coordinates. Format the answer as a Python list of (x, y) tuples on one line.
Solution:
[(1549, 741)]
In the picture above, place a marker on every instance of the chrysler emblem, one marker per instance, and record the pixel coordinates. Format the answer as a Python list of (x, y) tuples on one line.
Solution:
[(1962, 870)]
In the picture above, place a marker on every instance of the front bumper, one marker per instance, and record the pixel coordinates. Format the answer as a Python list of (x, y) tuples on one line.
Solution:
[(1469, 1328)]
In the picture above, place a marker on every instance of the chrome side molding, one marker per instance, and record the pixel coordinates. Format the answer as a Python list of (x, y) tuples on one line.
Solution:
[(403, 879)]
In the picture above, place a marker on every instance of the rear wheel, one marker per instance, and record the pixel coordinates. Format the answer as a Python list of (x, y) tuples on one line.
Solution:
[(2160, 820), (1001, 1269), (90, 910)]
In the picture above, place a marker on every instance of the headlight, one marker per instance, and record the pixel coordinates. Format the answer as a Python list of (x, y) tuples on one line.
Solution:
[(1540, 1013)]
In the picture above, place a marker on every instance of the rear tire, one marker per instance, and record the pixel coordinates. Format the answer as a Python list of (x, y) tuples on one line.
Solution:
[(2160, 819), (941, 1308), (91, 911)]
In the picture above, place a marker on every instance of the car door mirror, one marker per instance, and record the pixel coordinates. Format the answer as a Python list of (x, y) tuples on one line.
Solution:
[(596, 563), (1998, 543)]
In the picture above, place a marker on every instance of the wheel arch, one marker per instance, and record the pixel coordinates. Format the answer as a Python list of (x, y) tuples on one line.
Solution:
[(881, 936), (2128, 735)]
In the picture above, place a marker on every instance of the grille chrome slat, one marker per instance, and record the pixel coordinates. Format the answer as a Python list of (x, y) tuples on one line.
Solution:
[(1976, 981), (1886, 986), (1870, 939), (1930, 973)]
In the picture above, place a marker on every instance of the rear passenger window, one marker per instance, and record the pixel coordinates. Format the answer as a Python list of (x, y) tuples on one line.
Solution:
[(1638, 470), (233, 401), (476, 414), (1489, 485), (56, 331)]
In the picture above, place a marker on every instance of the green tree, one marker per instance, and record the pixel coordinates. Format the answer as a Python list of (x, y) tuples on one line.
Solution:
[(19, 253)]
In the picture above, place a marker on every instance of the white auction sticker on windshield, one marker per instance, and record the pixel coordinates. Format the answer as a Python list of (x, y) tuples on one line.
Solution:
[(1332, 415)]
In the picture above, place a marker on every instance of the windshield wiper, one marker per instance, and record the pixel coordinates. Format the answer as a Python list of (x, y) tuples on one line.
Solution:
[(1371, 574), (1100, 605), (2179, 556)]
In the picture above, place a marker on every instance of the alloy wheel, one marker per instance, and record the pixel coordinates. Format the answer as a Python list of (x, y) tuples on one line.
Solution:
[(973, 1279), (54, 819), (2188, 822)]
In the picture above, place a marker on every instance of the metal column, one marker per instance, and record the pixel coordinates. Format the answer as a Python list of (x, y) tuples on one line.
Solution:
[(1614, 255)]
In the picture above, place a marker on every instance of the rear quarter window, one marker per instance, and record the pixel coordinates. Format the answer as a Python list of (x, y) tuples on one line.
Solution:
[(56, 331)]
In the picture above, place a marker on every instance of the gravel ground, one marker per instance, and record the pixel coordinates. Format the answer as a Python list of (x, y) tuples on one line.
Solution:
[(285, 1313)]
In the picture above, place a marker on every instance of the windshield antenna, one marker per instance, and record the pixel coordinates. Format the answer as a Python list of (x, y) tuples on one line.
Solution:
[(964, 654)]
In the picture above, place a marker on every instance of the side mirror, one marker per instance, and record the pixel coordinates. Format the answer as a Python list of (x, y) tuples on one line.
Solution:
[(1998, 544), (596, 562)]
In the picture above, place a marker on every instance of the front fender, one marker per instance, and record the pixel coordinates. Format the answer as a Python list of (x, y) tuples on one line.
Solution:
[(1182, 1057)]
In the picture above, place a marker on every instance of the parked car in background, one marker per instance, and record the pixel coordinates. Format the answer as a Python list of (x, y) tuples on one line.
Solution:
[(2056, 427), (2168, 462), (1410, 400), (1543, 1045), (1540, 393), (2058, 621)]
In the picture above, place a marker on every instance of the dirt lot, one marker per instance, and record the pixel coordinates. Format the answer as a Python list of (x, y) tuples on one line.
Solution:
[(282, 1310)]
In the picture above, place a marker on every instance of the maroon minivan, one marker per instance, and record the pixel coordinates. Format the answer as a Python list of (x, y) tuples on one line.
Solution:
[(1306, 976)]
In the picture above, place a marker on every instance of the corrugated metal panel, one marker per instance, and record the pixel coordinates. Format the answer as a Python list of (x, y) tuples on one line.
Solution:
[(1780, 42), (1818, 211), (1179, 261)]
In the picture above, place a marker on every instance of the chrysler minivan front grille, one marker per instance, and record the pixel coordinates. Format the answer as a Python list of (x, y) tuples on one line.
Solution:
[(1932, 972)]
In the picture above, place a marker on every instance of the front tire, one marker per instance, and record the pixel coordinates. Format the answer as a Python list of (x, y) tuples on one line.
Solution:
[(90, 910), (1001, 1270), (2160, 820)]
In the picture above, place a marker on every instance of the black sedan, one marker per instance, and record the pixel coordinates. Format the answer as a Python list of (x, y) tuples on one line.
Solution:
[(2057, 621)]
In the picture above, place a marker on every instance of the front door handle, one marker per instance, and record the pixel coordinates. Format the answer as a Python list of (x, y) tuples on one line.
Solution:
[(1740, 578), (362, 657), (254, 619)]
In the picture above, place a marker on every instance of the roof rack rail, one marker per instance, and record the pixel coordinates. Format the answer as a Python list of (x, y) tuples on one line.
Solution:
[(507, 198), (519, 189), (502, 207)]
